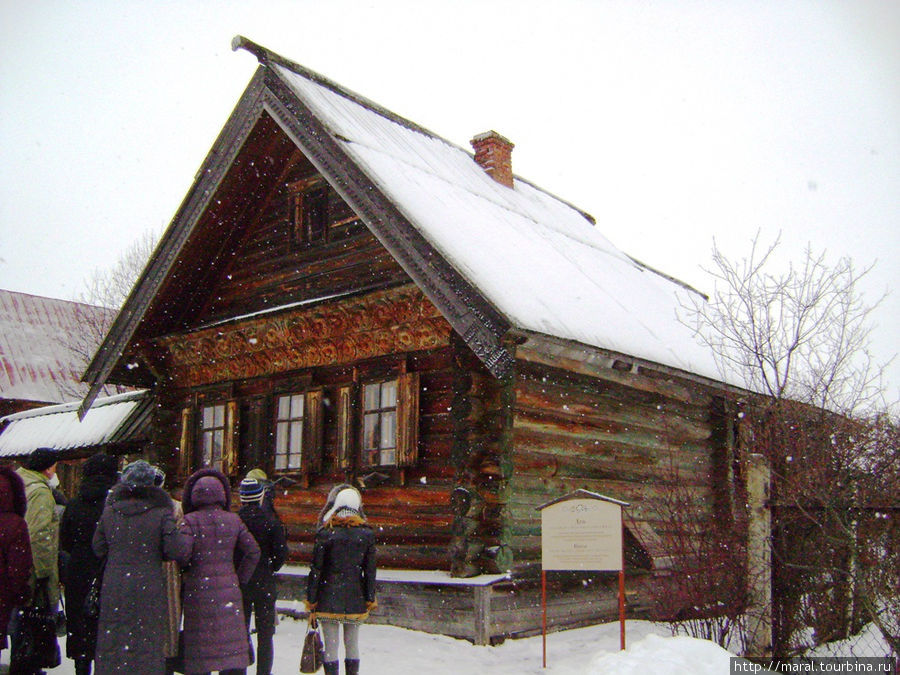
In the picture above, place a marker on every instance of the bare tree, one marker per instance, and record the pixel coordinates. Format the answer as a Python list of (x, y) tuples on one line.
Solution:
[(800, 339), (801, 333), (105, 290)]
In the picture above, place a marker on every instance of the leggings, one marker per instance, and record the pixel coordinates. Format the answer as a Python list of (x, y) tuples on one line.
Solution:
[(330, 637)]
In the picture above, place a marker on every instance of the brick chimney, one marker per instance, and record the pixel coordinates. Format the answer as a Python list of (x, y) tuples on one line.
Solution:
[(493, 153)]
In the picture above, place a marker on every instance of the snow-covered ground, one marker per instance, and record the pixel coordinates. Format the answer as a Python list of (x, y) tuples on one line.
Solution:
[(396, 651)]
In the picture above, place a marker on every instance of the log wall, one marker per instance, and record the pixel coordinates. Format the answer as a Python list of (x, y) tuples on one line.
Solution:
[(627, 440), (410, 508)]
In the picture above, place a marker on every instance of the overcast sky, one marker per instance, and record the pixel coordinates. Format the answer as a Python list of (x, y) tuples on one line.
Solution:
[(672, 122)]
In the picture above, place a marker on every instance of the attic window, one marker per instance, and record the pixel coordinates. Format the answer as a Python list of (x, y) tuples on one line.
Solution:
[(318, 215), (309, 213)]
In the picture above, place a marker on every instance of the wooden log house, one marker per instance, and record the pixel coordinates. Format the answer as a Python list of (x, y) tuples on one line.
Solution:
[(346, 296)]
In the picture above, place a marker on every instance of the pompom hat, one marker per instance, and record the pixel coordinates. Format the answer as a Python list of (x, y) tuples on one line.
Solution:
[(251, 491)]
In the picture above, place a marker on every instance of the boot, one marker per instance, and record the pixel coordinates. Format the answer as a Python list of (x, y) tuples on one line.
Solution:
[(351, 666), (331, 667)]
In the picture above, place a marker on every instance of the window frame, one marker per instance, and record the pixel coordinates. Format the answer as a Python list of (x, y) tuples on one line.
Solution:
[(292, 423), (311, 428), (213, 430), (301, 194), (371, 457)]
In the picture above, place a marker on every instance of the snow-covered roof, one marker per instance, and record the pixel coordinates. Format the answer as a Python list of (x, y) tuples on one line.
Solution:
[(538, 260), (36, 363), (58, 426), (496, 261)]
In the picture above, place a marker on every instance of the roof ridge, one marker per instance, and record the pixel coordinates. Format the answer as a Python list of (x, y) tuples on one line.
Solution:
[(266, 57)]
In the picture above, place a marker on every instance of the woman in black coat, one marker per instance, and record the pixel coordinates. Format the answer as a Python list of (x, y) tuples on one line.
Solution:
[(76, 532), (340, 590)]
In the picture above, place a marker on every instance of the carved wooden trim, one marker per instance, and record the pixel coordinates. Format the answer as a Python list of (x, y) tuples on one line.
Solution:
[(377, 324)]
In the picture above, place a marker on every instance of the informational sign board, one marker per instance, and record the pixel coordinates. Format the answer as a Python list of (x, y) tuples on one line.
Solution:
[(582, 534), (582, 531)]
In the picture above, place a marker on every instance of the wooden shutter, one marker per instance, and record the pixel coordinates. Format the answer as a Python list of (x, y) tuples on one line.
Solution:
[(346, 435), (230, 442), (407, 419), (186, 441), (313, 431)]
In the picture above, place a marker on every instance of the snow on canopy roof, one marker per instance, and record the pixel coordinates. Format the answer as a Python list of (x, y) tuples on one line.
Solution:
[(535, 258), (35, 363), (58, 426)]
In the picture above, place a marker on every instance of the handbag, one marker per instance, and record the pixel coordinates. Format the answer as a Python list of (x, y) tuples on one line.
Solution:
[(33, 633), (91, 607), (313, 650)]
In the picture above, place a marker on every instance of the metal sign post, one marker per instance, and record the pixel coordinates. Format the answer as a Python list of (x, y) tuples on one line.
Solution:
[(583, 531)]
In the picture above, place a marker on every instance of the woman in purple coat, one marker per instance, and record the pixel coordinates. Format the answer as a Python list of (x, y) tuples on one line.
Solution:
[(215, 635), (15, 548)]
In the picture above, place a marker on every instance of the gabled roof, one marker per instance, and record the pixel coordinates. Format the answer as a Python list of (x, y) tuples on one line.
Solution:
[(111, 420), (37, 362), (492, 259)]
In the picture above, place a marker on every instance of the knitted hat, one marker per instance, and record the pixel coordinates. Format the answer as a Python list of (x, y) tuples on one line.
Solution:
[(100, 464), (41, 459), (348, 499), (251, 491), (139, 474)]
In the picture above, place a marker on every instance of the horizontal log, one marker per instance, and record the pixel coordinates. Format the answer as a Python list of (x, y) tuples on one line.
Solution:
[(638, 449), (600, 413), (681, 391), (547, 461)]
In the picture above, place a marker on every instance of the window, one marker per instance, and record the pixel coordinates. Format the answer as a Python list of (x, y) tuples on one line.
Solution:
[(289, 432), (299, 431), (380, 423), (212, 435), (309, 209)]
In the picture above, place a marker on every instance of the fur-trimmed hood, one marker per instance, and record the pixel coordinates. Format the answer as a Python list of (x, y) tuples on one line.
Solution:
[(12, 492), (189, 501), (130, 500)]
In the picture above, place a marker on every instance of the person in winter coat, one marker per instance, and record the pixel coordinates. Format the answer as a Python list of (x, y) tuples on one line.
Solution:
[(136, 532), (76, 534), (15, 548), (340, 589), (215, 635), (260, 592), (43, 522)]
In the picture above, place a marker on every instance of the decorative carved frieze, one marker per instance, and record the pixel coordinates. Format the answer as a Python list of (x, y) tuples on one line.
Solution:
[(378, 324)]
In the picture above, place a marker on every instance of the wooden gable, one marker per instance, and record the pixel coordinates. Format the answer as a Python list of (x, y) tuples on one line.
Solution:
[(226, 250)]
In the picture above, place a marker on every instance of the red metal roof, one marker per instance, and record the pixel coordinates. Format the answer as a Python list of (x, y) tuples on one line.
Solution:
[(35, 362)]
